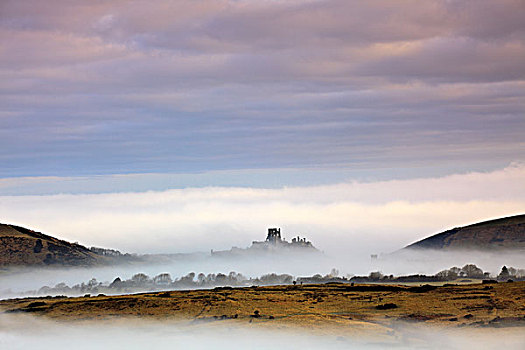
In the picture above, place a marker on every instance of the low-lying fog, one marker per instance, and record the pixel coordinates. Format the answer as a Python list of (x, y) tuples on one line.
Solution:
[(349, 221), (14, 283), (26, 332)]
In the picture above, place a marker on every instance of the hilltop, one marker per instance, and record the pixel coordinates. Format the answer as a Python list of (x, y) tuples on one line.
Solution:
[(20, 246), (501, 234)]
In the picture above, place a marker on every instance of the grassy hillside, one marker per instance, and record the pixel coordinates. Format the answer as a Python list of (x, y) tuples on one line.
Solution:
[(499, 234), (22, 247)]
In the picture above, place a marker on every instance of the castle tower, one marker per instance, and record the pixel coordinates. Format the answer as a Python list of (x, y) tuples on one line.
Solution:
[(274, 235)]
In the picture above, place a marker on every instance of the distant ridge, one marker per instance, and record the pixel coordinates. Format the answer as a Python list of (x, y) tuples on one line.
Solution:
[(20, 246), (500, 234)]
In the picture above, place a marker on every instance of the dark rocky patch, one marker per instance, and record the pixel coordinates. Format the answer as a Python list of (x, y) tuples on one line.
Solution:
[(386, 306)]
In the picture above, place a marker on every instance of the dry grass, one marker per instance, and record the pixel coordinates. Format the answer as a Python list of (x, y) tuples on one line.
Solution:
[(326, 308)]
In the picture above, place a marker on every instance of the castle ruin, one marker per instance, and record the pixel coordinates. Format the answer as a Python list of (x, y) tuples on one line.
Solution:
[(274, 235), (274, 239), (274, 242)]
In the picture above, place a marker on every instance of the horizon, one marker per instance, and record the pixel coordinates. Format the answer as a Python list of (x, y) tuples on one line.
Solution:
[(188, 219), (283, 237)]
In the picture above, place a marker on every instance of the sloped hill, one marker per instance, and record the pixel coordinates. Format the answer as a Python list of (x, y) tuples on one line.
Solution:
[(500, 234), (23, 247)]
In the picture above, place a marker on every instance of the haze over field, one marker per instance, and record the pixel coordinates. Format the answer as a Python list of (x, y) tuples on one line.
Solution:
[(132, 335)]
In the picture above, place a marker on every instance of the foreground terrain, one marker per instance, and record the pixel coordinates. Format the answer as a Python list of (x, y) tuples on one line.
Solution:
[(333, 308)]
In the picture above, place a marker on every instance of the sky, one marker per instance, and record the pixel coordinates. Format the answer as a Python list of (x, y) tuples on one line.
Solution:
[(243, 114), (342, 219)]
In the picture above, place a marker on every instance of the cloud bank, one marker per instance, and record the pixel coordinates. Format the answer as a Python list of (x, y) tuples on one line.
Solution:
[(353, 217), (169, 86)]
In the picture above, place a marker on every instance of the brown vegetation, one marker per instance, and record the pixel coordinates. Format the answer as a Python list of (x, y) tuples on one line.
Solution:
[(318, 306), (505, 233), (23, 247)]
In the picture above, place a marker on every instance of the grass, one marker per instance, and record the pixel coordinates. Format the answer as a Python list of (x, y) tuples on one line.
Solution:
[(328, 308)]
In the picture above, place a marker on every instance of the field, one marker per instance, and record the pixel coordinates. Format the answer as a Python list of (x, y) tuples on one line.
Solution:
[(329, 308)]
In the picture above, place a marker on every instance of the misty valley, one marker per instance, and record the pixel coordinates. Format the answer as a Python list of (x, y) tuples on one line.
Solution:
[(404, 298), (262, 174), (140, 282)]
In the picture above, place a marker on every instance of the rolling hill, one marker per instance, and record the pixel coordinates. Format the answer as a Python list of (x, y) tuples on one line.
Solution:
[(23, 247), (501, 234)]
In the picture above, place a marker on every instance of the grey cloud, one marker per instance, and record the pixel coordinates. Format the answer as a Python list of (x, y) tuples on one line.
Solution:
[(454, 60), (489, 19), (205, 85)]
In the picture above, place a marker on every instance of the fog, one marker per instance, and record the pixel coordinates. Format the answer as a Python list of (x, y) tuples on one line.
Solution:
[(26, 332), (432, 261), (348, 222), (16, 282), (357, 218)]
